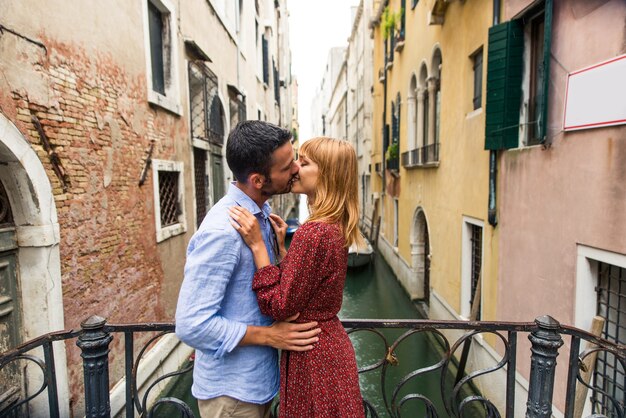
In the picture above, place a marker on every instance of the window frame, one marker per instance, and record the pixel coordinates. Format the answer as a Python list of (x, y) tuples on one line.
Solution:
[(165, 232), (536, 56), (466, 266), (477, 96), (171, 99)]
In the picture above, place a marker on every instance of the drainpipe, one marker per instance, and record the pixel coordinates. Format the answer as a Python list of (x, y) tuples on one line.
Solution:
[(493, 154)]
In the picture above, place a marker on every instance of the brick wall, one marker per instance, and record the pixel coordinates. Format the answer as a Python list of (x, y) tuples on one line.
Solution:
[(97, 128)]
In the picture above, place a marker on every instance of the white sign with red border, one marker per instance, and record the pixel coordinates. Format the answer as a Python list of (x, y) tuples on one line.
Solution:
[(596, 96)]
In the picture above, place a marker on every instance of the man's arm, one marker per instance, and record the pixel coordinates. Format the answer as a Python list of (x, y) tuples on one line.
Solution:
[(211, 261), (283, 335)]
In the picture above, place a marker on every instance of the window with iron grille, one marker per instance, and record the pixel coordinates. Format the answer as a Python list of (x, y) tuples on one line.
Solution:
[(609, 375), (476, 240), (201, 183), (207, 115), (168, 198)]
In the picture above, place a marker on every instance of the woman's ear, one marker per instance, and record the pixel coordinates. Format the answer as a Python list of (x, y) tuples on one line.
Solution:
[(256, 180)]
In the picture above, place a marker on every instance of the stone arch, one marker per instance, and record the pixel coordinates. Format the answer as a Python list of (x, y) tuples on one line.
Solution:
[(420, 254), (39, 264)]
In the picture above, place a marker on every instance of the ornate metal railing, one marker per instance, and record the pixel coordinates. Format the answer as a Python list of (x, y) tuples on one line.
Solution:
[(545, 335)]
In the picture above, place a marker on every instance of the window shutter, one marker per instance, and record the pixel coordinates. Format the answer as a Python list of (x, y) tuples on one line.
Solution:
[(505, 63)]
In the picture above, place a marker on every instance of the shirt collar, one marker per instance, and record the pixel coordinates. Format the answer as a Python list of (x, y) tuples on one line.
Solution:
[(245, 201)]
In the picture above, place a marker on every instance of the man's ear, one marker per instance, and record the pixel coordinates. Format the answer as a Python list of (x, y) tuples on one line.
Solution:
[(256, 180)]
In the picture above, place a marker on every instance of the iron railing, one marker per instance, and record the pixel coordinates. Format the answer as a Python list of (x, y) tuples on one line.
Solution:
[(545, 334), (421, 156)]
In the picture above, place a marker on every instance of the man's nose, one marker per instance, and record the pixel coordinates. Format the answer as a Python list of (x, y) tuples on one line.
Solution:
[(295, 168)]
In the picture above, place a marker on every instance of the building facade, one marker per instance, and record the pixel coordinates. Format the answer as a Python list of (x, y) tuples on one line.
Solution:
[(561, 189), (112, 151)]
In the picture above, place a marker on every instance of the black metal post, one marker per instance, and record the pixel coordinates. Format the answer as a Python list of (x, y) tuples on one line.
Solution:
[(94, 344), (546, 341)]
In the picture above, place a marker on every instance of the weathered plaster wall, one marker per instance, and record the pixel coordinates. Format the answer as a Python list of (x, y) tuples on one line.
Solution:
[(87, 89), (573, 192)]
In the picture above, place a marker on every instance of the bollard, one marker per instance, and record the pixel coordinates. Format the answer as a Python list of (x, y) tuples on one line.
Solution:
[(546, 341), (94, 344)]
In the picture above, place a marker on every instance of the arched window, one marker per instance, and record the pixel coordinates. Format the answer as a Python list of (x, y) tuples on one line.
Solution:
[(412, 114), (425, 102), (436, 71)]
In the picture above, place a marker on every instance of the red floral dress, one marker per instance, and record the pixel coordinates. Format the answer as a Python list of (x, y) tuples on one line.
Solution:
[(322, 382)]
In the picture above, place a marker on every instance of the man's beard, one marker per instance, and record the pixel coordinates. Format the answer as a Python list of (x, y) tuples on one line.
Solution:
[(269, 190)]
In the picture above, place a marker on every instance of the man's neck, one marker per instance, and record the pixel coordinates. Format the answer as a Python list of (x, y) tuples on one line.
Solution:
[(252, 193)]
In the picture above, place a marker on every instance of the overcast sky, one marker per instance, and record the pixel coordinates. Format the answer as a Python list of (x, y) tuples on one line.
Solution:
[(315, 27)]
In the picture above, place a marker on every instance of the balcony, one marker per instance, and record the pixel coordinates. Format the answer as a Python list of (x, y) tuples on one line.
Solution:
[(393, 164), (546, 336), (426, 156)]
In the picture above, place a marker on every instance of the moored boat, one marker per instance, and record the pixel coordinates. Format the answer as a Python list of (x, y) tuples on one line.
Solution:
[(360, 256)]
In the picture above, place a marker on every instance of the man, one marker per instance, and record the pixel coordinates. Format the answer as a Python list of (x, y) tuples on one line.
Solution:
[(236, 368)]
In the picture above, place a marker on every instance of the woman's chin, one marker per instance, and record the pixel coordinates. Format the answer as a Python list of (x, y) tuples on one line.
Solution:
[(295, 188)]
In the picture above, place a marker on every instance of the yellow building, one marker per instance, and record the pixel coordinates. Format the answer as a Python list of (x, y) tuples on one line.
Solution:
[(433, 171)]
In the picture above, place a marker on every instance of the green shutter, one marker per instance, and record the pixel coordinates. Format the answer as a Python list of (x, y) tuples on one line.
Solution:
[(505, 63)]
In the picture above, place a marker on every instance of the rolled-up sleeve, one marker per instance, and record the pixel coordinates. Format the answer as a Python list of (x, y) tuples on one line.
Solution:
[(212, 259)]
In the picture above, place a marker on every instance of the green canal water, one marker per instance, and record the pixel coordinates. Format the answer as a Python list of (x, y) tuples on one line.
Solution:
[(372, 293)]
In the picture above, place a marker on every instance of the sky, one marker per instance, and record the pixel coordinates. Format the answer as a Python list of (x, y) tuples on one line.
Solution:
[(315, 26)]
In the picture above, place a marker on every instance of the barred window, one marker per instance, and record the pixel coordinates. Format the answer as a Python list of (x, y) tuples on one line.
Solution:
[(477, 256), (609, 375), (207, 115), (168, 198)]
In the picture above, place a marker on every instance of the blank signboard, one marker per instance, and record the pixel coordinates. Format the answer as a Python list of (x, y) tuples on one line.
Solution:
[(596, 96)]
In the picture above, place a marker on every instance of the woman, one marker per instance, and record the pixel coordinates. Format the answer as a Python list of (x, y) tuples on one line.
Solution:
[(322, 382)]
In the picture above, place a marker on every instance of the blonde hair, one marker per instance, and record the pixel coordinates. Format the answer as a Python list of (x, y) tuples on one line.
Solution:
[(336, 191)]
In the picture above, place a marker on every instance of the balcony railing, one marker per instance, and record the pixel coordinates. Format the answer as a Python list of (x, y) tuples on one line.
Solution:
[(545, 334), (421, 156), (393, 164)]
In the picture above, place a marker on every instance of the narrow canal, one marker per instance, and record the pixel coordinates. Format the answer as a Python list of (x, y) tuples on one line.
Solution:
[(374, 293)]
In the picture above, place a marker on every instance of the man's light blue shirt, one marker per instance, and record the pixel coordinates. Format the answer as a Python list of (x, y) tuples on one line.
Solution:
[(216, 303)]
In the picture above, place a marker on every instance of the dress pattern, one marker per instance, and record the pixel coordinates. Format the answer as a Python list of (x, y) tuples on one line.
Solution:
[(322, 382)]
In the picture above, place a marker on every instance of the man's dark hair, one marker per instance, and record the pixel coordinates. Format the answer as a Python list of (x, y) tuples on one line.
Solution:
[(250, 146)]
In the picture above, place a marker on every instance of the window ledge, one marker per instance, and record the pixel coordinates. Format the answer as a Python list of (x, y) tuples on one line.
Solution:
[(399, 46), (389, 65), (474, 113), (170, 231), (433, 164), (394, 172), (164, 102)]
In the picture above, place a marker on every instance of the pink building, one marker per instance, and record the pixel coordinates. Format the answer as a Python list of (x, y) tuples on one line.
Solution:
[(561, 193)]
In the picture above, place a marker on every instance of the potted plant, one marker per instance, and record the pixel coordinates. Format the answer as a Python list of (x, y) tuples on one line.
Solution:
[(391, 156)]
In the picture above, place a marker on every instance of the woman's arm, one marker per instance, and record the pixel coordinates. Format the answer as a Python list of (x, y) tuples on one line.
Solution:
[(248, 227), (286, 289)]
